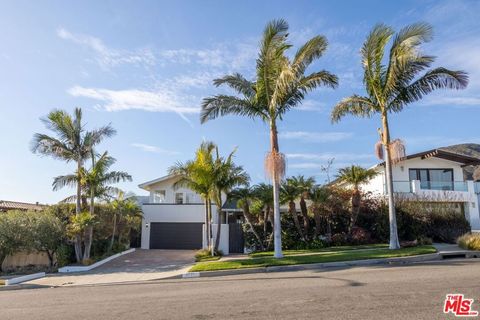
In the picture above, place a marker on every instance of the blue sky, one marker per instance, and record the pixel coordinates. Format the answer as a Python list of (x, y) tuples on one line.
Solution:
[(144, 67)]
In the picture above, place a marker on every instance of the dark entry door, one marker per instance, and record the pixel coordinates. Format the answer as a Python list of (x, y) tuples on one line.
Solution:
[(175, 235), (236, 240)]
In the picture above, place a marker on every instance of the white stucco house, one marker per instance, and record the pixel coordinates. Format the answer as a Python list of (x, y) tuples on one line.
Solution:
[(436, 176), (174, 218)]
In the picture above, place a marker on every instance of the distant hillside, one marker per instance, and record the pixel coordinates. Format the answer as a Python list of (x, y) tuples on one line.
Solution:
[(468, 149)]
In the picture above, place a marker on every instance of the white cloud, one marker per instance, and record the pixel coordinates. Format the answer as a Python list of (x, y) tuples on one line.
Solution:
[(315, 136), (154, 149), (311, 105), (153, 101), (105, 56)]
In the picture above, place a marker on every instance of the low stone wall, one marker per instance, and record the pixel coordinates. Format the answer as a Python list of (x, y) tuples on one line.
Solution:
[(23, 259)]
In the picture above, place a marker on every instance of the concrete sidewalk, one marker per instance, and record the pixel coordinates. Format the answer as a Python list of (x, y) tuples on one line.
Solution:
[(80, 279)]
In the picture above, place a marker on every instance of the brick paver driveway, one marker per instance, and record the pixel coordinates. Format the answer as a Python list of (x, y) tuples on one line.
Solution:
[(140, 265), (149, 261)]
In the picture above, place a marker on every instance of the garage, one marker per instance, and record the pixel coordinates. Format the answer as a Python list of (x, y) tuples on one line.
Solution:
[(175, 235)]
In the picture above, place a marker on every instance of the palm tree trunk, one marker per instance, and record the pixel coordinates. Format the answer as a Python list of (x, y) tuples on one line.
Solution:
[(293, 211), (318, 222), (394, 243), (306, 221), (219, 222), (248, 218), (206, 225), (89, 236), (266, 213), (356, 198), (113, 231), (277, 228), (219, 230), (209, 225), (78, 237)]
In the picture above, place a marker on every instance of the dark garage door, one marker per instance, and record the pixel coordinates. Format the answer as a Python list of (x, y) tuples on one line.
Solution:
[(173, 235)]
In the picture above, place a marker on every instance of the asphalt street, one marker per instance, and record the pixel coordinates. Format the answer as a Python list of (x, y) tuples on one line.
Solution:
[(375, 292)]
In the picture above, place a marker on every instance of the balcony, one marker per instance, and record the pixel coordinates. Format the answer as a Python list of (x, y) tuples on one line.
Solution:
[(458, 191)]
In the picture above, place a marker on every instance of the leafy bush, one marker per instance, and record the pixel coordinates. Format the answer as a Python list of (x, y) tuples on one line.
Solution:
[(65, 255), (469, 241), (339, 239), (30, 231), (205, 255)]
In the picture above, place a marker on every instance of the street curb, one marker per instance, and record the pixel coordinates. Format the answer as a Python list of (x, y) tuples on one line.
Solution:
[(68, 269), (314, 266), (28, 277)]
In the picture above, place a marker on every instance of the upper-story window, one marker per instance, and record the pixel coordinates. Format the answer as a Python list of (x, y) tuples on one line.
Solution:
[(159, 196), (179, 198), (192, 198), (433, 179)]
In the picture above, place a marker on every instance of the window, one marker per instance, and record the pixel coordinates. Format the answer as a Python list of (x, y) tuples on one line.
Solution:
[(179, 198), (159, 196), (192, 198), (433, 179)]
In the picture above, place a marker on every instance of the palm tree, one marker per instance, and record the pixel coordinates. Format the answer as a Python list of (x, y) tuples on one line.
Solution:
[(320, 195), (392, 86), (303, 186), (280, 85), (355, 176), (73, 143), (96, 184), (289, 194), (122, 206), (264, 193), (197, 175), (244, 196), (226, 176)]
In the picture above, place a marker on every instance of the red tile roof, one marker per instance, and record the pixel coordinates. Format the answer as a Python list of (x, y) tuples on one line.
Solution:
[(12, 205)]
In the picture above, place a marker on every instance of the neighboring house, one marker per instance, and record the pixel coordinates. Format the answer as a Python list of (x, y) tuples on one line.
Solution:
[(174, 218), (436, 176), (13, 205)]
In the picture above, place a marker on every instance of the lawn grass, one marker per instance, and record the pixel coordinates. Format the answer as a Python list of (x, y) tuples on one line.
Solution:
[(329, 249), (329, 256), (207, 258)]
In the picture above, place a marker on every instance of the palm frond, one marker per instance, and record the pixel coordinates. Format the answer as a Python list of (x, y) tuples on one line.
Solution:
[(60, 182), (309, 52), (439, 78), (372, 54), (354, 105), (56, 148), (221, 105), (237, 82)]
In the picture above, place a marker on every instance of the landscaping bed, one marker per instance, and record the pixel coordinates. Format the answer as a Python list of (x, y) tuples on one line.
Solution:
[(319, 257)]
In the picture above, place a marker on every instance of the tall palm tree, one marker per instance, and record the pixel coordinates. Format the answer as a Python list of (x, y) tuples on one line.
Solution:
[(355, 176), (72, 143), (244, 196), (303, 186), (96, 184), (280, 85), (392, 85), (227, 175), (197, 175), (289, 194)]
